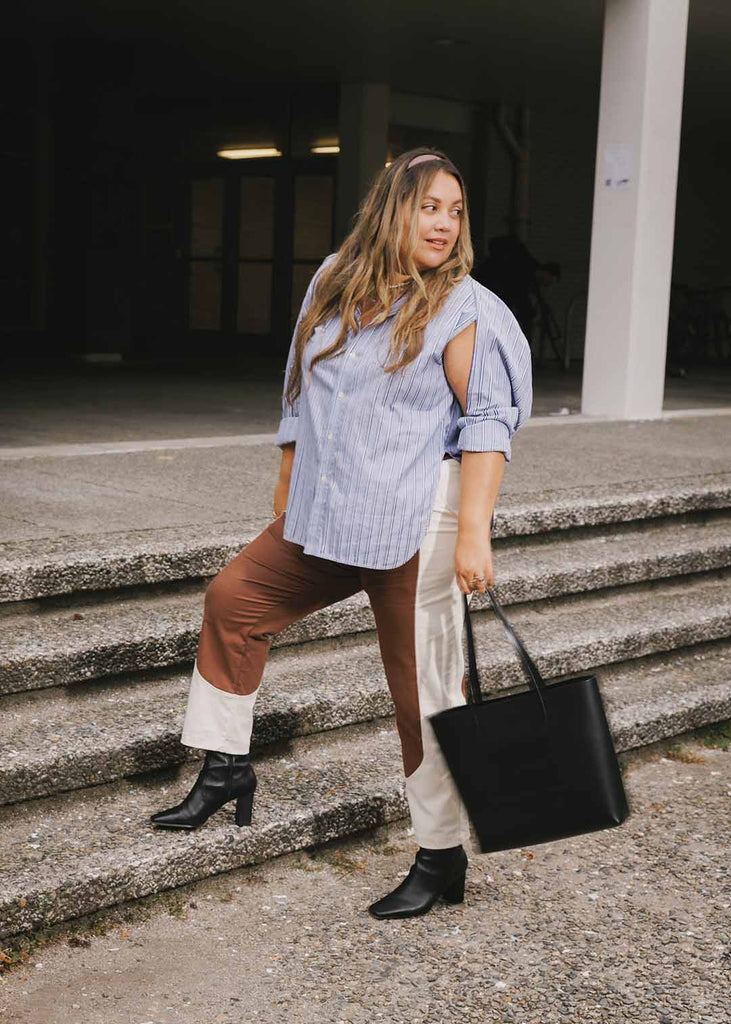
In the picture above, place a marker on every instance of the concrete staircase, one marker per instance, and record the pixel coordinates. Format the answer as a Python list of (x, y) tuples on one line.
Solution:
[(97, 637)]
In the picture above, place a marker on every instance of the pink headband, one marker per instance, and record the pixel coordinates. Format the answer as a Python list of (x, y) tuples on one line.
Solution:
[(421, 158)]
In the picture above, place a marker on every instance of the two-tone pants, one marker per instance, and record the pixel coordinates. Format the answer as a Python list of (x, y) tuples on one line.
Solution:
[(419, 617)]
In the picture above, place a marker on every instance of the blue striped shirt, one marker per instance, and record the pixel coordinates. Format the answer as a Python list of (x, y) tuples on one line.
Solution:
[(369, 445)]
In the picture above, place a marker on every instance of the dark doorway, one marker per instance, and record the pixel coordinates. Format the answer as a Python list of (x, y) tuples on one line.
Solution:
[(230, 255)]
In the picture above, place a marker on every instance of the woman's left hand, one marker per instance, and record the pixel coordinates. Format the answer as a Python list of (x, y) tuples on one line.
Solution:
[(473, 557)]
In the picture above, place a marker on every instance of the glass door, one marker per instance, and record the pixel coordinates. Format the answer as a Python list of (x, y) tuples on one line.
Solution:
[(255, 256), (205, 254), (254, 239)]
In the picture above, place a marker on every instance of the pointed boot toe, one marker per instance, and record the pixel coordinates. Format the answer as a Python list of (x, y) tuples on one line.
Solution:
[(222, 778), (173, 817)]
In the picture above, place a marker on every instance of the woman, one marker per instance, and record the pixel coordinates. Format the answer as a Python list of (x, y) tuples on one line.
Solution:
[(404, 384)]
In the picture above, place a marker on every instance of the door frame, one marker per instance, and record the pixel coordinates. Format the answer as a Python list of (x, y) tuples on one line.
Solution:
[(284, 171)]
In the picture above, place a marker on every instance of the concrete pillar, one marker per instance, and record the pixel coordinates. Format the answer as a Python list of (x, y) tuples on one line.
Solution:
[(643, 69), (363, 132)]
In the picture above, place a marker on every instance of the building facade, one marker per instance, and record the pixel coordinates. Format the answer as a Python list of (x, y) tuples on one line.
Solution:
[(172, 180)]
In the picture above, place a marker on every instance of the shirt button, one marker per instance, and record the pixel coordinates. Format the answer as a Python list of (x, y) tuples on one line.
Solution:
[(341, 394), (329, 435), (352, 355), (323, 478)]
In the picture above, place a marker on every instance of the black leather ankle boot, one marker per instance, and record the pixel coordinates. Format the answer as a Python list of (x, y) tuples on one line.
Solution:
[(434, 873), (223, 777)]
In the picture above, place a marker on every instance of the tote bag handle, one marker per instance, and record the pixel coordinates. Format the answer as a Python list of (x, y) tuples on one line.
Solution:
[(529, 666)]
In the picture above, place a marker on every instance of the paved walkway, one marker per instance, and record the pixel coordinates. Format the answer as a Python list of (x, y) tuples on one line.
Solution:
[(627, 924), (92, 404), (105, 452)]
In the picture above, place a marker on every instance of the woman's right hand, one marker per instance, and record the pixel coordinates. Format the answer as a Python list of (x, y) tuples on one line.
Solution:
[(281, 493)]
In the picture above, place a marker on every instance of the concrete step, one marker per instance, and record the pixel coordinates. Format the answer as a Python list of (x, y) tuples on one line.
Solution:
[(42, 568), (71, 854), (89, 733), (100, 635), (70, 737), (82, 851)]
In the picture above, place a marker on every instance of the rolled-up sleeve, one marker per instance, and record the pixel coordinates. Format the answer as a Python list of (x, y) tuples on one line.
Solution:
[(287, 430), (500, 385)]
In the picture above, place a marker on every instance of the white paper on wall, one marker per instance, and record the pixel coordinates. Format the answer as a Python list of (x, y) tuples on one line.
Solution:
[(618, 166)]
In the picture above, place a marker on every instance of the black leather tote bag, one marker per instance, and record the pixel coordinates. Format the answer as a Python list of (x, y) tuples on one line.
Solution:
[(531, 766)]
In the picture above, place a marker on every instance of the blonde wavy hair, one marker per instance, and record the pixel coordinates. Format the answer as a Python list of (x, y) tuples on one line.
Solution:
[(369, 261)]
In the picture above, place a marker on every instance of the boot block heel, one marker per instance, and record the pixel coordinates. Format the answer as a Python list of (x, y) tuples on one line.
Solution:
[(455, 892), (244, 806)]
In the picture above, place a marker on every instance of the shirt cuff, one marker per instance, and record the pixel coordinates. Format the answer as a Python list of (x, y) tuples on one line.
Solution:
[(287, 430), (488, 435)]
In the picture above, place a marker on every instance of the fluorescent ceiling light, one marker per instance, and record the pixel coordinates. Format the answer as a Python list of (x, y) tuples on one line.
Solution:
[(248, 154), (325, 149)]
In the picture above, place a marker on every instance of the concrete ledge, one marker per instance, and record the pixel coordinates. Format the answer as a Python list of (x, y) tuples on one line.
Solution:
[(73, 854), (153, 630), (97, 847), (70, 737), (42, 568)]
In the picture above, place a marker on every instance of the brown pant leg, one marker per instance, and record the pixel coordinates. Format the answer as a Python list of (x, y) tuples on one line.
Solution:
[(392, 595), (268, 585)]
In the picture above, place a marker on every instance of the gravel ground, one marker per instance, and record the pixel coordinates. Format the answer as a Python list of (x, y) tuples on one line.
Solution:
[(629, 924)]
